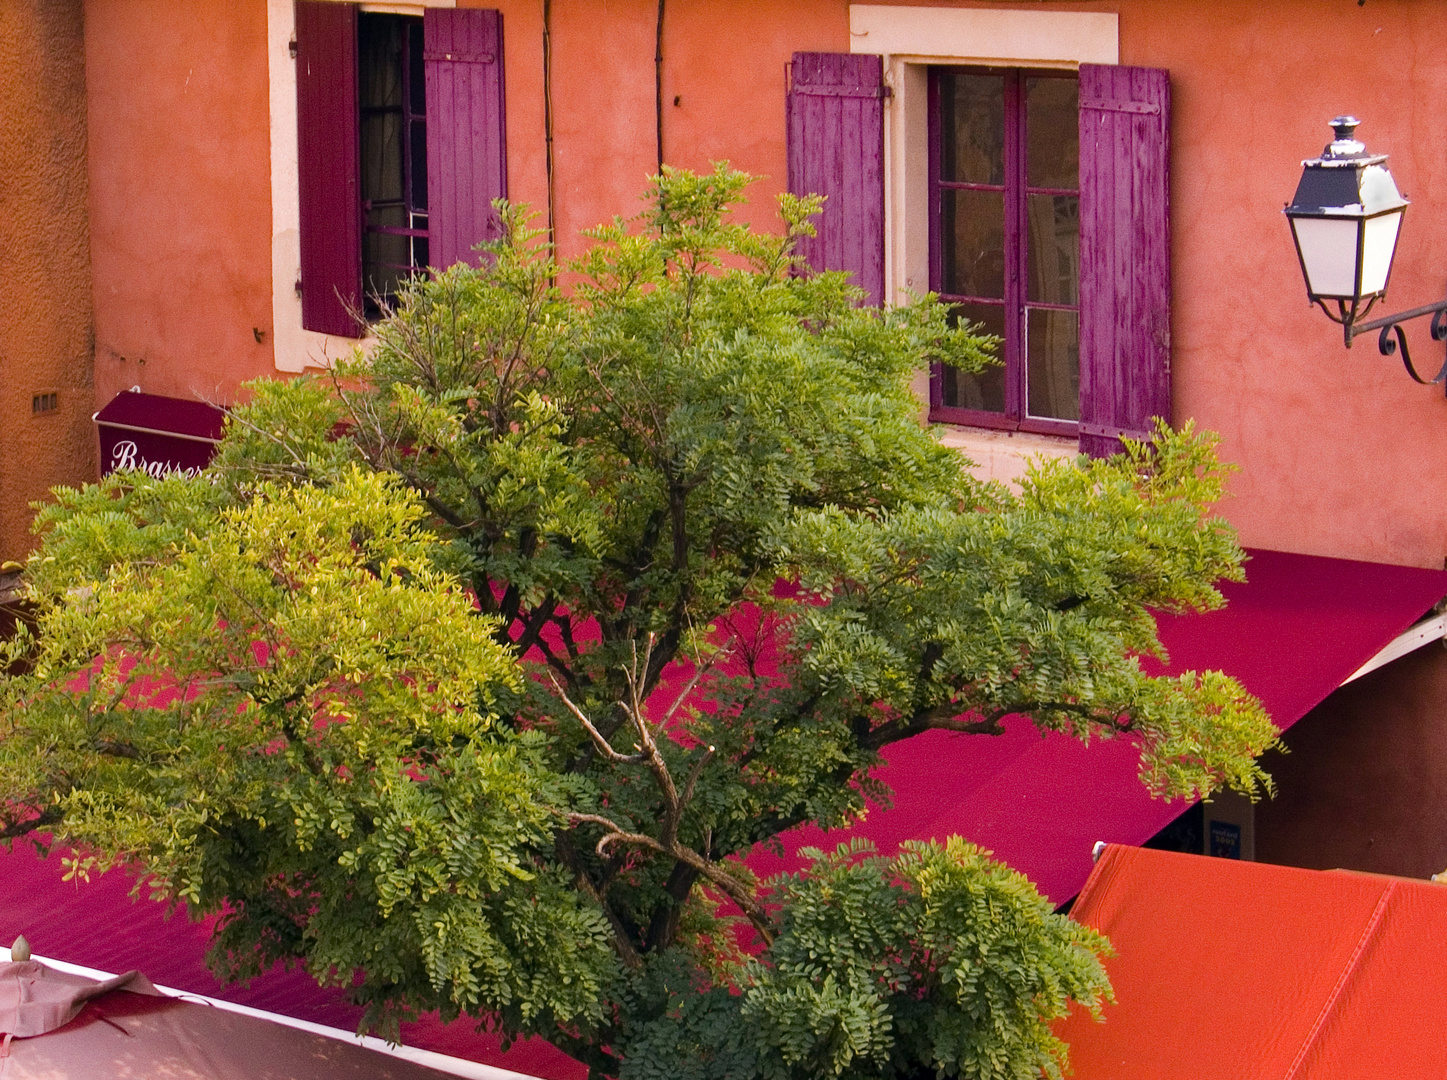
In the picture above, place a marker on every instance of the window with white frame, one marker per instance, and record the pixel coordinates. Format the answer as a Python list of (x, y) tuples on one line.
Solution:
[(921, 139)]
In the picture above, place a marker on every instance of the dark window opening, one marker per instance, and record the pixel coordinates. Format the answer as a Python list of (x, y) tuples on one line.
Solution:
[(1186, 833), (392, 97), (1005, 241)]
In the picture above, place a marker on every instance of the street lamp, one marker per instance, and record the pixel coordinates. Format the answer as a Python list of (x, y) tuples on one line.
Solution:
[(1345, 219)]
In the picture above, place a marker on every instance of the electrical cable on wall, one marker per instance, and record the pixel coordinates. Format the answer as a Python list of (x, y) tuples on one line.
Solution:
[(658, 82), (548, 114)]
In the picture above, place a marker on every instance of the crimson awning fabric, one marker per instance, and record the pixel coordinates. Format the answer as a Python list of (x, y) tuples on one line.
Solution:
[(1244, 971), (97, 924), (159, 435), (1292, 633)]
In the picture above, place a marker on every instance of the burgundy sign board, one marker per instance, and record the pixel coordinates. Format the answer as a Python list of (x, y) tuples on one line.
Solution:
[(158, 435)]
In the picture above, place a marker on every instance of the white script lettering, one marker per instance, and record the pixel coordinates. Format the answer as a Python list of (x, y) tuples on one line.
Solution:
[(127, 455)]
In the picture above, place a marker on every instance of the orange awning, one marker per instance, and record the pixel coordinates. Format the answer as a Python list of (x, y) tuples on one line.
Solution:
[(1243, 971)]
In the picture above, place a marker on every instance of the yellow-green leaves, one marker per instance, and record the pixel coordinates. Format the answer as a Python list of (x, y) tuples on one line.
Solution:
[(286, 709)]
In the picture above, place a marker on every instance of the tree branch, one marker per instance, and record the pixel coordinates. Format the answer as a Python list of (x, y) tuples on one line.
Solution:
[(604, 746), (731, 886)]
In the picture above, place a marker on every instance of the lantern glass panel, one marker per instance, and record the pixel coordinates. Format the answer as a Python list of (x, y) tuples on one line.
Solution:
[(1329, 253), (1379, 240)]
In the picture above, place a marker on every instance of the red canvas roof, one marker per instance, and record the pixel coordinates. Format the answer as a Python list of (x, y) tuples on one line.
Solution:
[(1226, 969), (1298, 628), (1292, 633)]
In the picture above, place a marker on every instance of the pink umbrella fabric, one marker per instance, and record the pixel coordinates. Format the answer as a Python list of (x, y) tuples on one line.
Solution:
[(60, 1025)]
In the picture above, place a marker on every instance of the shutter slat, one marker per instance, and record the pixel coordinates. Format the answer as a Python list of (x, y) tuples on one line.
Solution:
[(328, 167), (1125, 270), (466, 131), (835, 123)]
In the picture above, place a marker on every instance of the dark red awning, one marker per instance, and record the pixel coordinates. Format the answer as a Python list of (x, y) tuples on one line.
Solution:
[(1292, 634), (158, 435), (1244, 971)]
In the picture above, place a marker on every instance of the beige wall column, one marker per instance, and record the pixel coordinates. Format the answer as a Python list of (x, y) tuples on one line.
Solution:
[(46, 344)]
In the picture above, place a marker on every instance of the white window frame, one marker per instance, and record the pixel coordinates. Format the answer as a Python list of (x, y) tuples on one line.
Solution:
[(294, 348), (911, 40)]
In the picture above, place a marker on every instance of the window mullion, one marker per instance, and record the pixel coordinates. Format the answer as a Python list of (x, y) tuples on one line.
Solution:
[(1015, 389), (936, 234)]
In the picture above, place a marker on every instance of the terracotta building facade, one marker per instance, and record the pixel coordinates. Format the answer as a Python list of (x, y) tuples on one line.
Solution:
[(46, 437), (209, 192)]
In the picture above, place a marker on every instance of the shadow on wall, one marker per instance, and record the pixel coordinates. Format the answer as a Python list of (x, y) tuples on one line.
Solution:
[(1363, 785)]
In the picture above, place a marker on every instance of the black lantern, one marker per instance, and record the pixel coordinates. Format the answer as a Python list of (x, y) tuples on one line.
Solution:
[(1345, 219)]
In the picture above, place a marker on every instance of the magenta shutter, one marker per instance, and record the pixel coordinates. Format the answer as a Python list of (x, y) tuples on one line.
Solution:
[(1125, 254), (328, 168), (466, 145), (836, 149)]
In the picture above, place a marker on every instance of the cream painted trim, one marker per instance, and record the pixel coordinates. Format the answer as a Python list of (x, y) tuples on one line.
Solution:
[(984, 34), (407, 9), (296, 349), (912, 38)]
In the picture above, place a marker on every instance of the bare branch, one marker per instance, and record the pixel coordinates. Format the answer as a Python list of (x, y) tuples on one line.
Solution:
[(731, 886), (604, 747), (693, 775)]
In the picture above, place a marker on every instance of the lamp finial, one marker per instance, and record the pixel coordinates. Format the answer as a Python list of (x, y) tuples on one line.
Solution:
[(1345, 145)]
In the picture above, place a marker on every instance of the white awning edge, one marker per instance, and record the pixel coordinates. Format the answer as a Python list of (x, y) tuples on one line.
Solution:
[(470, 1070), (1423, 633)]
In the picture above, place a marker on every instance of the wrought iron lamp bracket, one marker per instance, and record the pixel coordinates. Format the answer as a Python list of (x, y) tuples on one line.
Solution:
[(1393, 337)]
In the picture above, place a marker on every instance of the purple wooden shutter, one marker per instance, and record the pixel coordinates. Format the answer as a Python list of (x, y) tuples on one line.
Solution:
[(466, 144), (1125, 254), (836, 149), (328, 169)]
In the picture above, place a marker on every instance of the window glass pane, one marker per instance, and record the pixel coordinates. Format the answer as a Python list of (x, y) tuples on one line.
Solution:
[(419, 165), (1053, 261), (379, 61), (972, 128), (387, 256), (1052, 133), (1052, 347), (382, 157), (972, 233), (416, 70), (985, 391)]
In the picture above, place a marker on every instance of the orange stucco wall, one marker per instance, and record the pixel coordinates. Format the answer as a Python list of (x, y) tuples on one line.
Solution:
[(1338, 450), (44, 261), (723, 66), (180, 195)]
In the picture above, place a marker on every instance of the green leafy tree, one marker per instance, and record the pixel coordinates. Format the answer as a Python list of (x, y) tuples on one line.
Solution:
[(464, 676)]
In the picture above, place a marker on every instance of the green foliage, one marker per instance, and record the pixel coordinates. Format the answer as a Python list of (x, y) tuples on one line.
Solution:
[(939, 956), (293, 720), (396, 685)]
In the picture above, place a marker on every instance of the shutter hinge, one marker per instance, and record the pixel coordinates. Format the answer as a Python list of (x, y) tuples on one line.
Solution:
[(1111, 431), (291, 46), (843, 91), (473, 57), (1145, 108)]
